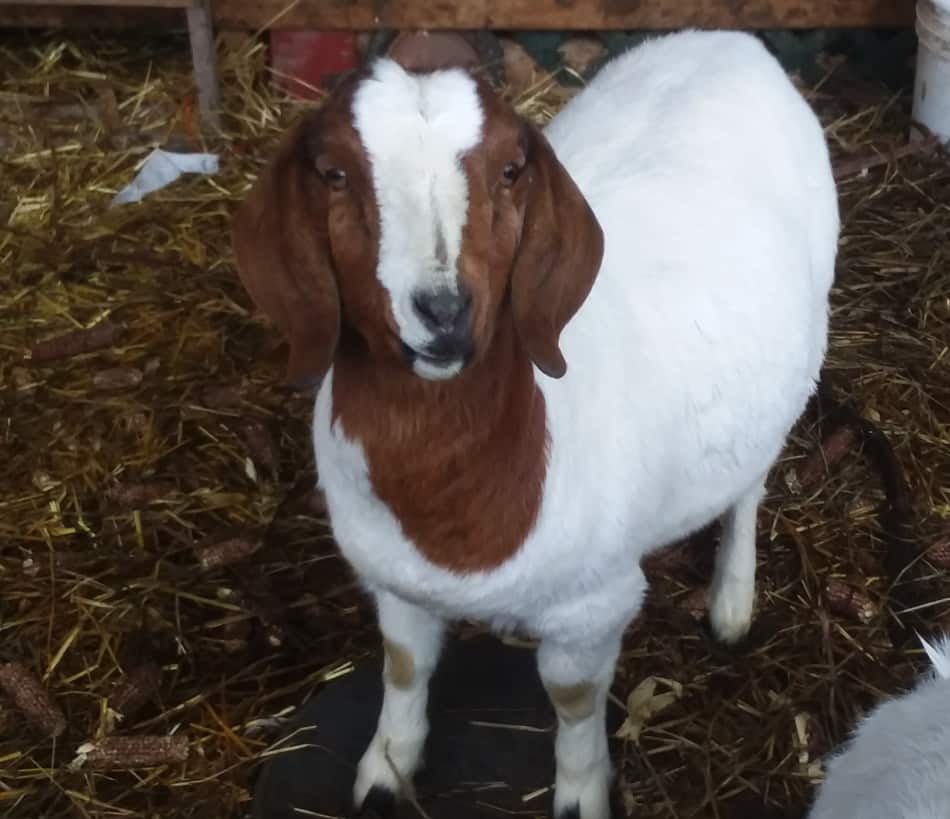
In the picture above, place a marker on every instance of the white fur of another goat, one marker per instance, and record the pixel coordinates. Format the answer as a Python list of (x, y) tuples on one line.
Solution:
[(897, 764)]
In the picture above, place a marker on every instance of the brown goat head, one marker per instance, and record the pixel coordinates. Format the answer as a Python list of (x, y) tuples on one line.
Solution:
[(419, 215)]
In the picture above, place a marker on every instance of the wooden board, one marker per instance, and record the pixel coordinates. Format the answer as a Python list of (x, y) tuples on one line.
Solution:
[(107, 18), (512, 14), (568, 14), (175, 4)]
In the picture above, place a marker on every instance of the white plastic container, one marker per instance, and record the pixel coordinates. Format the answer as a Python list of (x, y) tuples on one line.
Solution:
[(932, 80)]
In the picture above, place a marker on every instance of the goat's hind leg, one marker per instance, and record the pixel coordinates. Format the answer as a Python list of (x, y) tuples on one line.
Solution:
[(732, 591), (413, 639)]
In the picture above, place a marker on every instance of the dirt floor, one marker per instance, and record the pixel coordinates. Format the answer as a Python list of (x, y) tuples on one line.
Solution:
[(165, 572)]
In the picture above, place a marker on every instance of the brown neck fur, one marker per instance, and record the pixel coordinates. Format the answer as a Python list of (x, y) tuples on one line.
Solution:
[(461, 463)]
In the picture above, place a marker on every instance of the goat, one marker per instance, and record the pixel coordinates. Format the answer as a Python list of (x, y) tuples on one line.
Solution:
[(436, 263), (897, 763)]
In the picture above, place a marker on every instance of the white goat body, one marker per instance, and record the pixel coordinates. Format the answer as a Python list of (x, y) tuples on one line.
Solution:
[(695, 352), (691, 358)]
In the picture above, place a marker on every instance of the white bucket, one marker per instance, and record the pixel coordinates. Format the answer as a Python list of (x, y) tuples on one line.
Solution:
[(932, 80)]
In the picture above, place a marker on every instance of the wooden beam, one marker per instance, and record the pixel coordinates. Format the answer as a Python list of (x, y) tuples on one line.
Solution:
[(201, 36), (565, 14), (173, 4), (603, 15), (78, 17)]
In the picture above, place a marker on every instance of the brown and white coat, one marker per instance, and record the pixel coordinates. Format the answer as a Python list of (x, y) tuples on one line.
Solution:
[(543, 355)]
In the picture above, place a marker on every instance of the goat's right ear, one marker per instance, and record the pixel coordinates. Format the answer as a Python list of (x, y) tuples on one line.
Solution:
[(280, 237)]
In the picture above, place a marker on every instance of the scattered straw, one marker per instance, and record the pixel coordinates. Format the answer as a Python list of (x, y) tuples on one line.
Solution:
[(130, 453)]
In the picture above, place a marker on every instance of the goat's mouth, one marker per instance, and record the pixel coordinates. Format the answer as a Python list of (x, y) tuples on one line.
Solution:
[(437, 362)]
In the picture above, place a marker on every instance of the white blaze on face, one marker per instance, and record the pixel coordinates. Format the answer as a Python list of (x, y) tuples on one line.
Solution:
[(415, 131)]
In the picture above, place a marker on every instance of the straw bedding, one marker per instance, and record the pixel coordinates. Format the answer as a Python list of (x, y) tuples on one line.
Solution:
[(168, 587)]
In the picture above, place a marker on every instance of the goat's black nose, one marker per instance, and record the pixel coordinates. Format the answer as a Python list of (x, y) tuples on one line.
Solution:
[(442, 310)]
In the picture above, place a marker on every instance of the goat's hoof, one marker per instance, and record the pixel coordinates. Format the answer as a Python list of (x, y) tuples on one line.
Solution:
[(387, 766), (573, 812), (730, 613), (379, 803), (586, 799)]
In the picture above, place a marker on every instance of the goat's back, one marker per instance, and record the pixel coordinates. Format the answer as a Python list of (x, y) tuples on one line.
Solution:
[(703, 336)]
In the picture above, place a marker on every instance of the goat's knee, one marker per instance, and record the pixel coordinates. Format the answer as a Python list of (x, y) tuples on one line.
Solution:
[(412, 639), (577, 680)]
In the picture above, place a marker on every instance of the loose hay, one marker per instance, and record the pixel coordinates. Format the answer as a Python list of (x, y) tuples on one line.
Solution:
[(165, 574)]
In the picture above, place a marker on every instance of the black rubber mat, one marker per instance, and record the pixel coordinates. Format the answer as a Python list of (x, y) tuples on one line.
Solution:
[(491, 742)]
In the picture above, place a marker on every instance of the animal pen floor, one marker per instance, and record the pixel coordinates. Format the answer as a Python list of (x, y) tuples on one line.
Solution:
[(135, 475)]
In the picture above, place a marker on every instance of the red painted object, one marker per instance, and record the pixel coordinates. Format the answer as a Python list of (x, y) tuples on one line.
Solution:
[(303, 61)]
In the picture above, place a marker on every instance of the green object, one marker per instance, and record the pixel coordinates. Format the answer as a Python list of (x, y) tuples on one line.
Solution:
[(543, 47)]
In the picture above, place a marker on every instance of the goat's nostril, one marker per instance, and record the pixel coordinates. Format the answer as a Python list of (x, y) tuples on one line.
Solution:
[(442, 310)]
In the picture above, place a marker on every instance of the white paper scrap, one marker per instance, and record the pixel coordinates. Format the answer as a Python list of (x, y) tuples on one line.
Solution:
[(160, 169)]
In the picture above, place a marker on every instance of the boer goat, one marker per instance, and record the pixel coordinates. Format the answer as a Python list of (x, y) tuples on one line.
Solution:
[(544, 354)]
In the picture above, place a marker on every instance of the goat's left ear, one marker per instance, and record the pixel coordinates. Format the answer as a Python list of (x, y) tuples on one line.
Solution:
[(558, 258)]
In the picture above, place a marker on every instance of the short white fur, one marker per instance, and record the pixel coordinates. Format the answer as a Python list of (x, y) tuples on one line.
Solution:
[(897, 763), (415, 131), (694, 354)]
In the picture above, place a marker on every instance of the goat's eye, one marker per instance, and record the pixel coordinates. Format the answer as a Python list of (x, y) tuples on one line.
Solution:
[(509, 173), (335, 178)]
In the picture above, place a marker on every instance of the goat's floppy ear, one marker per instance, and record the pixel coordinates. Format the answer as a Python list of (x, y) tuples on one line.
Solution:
[(560, 252), (281, 242)]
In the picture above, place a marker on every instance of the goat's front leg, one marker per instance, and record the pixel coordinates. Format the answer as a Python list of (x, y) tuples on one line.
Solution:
[(577, 677), (412, 638)]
